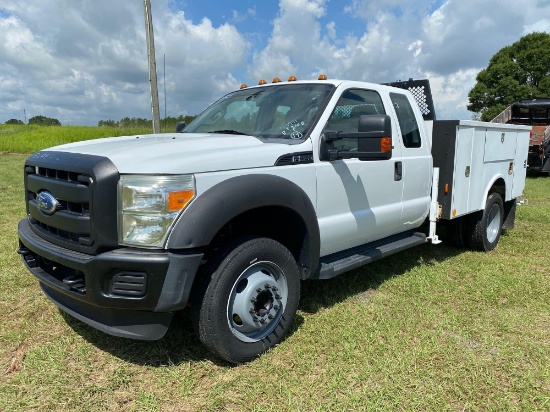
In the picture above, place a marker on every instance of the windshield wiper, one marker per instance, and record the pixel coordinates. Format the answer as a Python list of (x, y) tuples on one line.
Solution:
[(228, 131)]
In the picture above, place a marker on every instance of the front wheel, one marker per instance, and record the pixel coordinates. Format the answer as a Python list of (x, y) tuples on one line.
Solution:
[(249, 297), (486, 226)]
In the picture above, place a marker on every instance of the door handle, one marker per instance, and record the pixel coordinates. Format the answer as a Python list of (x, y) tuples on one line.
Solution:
[(398, 171)]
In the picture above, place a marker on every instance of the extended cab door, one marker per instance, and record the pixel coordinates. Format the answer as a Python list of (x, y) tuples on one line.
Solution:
[(417, 163), (357, 201)]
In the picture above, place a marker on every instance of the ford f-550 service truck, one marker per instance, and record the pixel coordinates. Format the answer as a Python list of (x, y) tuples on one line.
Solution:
[(270, 185)]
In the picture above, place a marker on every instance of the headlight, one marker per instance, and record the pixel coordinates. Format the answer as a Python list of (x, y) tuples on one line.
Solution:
[(149, 205)]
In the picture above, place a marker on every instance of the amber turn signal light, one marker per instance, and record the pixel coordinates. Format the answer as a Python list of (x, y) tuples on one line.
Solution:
[(178, 200)]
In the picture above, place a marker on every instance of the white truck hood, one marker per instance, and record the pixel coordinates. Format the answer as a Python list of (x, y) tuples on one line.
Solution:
[(182, 153)]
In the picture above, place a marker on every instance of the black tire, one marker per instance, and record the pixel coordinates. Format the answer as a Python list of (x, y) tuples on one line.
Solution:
[(545, 169), (486, 225), (457, 232), (248, 298)]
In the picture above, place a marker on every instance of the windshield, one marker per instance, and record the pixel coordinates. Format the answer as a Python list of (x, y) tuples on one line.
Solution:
[(285, 111)]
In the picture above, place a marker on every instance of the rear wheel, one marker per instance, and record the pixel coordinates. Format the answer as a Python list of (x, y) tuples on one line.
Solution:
[(249, 297), (486, 226)]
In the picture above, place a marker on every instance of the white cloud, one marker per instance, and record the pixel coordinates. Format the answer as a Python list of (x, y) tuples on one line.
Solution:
[(295, 42), (238, 17), (199, 60), (449, 44), (90, 62), (20, 47), (538, 26), (450, 93)]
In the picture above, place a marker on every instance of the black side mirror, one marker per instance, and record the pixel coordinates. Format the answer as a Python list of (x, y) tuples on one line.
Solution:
[(374, 140), (179, 127), (379, 125)]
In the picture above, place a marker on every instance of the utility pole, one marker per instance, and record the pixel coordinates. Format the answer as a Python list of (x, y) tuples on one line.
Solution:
[(152, 65)]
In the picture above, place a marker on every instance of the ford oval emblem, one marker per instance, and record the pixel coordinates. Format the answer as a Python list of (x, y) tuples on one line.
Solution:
[(46, 203)]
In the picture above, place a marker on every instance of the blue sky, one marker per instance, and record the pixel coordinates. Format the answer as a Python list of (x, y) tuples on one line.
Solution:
[(84, 61)]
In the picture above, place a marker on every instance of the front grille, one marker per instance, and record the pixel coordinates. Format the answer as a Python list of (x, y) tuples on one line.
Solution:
[(71, 221), (58, 232), (59, 174), (84, 188)]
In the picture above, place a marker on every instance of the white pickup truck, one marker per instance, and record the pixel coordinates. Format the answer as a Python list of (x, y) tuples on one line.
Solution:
[(271, 185)]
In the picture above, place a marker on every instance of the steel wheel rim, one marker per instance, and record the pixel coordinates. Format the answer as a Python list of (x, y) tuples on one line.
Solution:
[(257, 301), (493, 223)]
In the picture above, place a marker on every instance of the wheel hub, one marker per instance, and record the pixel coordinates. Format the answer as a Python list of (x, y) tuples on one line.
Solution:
[(257, 301), (493, 223), (264, 303)]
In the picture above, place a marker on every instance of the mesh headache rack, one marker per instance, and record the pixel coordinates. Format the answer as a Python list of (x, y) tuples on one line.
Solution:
[(421, 92)]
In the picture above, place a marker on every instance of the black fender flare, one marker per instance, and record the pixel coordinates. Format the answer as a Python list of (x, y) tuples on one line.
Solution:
[(208, 213)]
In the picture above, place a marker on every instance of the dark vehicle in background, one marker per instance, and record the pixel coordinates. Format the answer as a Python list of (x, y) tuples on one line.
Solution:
[(535, 112)]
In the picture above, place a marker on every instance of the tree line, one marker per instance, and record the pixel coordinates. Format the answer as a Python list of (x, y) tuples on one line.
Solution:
[(167, 124), (39, 120)]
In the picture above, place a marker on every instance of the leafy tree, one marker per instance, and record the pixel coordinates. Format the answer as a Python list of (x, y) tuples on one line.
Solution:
[(519, 71), (44, 121), (14, 121), (107, 123), (169, 123)]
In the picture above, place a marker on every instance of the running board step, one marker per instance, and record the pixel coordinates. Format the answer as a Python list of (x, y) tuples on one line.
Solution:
[(340, 262)]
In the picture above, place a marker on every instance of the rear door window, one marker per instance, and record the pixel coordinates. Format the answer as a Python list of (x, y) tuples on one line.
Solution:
[(407, 120)]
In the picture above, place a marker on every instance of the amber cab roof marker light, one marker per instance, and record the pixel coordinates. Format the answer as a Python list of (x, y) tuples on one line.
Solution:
[(292, 79), (322, 77), (276, 80), (244, 86), (262, 82)]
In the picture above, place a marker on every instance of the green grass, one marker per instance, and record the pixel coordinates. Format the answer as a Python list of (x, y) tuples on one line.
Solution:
[(30, 138), (432, 328)]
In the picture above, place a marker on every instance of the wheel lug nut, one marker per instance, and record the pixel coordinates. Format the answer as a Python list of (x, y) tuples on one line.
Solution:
[(267, 286), (276, 307), (258, 290), (263, 321), (253, 300), (251, 311), (255, 319), (277, 296), (270, 316), (275, 289)]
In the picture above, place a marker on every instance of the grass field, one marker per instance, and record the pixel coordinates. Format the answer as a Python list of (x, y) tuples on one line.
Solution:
[(30, 138), (433, 328)]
